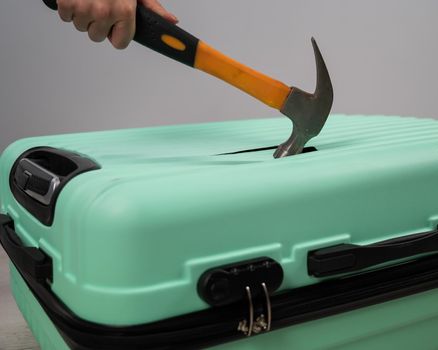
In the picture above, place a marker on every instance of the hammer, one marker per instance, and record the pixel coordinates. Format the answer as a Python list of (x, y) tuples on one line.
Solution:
[(308, 112)]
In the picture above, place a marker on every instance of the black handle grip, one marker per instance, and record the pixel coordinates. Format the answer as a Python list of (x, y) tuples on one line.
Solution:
[(158, 34), (39, 175), (51, 4), (350, 257), (29, 260)]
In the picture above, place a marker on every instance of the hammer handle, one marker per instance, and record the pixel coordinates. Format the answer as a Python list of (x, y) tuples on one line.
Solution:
[(155, 32)]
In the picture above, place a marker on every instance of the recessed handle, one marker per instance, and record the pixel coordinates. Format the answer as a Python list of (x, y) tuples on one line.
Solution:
[(39, 175)]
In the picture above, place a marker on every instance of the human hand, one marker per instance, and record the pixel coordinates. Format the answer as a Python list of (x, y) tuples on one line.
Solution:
[(112, 19)]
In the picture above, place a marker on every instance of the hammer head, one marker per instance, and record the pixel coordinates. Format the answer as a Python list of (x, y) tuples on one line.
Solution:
[(308, 112)]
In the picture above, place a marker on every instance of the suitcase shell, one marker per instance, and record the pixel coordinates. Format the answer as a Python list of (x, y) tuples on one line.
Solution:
[(130, 239)]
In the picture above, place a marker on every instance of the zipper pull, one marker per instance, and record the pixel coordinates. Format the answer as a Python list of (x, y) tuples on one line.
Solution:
[(261, 323)]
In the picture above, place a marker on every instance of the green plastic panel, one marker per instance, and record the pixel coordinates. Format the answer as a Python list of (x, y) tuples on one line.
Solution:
[(39, 323), (130, 240)]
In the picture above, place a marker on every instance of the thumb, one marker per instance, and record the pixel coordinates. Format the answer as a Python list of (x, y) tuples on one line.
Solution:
[(155, 6)]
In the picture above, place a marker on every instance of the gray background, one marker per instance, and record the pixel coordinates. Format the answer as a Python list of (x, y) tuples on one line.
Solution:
[(382, 56)]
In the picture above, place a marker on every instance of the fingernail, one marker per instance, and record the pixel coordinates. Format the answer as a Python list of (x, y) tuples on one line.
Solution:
[(174, 18)]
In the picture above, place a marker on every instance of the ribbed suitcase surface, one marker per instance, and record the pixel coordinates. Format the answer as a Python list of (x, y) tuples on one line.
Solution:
[(130, 236)]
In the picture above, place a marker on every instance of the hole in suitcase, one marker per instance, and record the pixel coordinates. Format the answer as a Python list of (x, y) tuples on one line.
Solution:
[(305, 150)]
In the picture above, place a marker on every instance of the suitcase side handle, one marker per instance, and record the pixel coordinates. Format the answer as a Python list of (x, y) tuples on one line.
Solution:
[(344, 258), (29, 260)]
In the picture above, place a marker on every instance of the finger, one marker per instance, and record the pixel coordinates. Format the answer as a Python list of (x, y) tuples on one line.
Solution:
[(121, 34), (98, 31), (82, 16), (65, 11), (155, 6), (81, 22)]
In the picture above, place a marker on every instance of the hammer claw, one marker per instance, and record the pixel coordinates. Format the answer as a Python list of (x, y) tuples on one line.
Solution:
[(308, 112)]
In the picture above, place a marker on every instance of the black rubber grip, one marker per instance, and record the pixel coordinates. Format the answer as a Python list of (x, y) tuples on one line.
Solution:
[(158, 34), (344, 258), (51, 4), (150, 29), (29, 260)]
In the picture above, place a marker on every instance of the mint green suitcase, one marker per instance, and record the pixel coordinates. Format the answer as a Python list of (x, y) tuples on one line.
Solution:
[(193, 236)]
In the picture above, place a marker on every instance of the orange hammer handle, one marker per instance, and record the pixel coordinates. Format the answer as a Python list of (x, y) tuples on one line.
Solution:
[(268, 90)]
